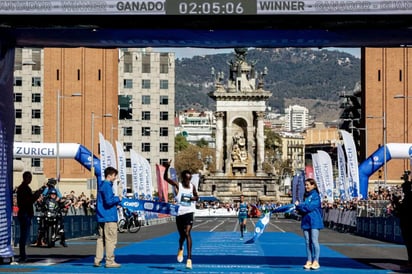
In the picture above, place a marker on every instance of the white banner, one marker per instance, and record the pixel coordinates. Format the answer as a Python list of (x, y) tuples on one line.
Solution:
[(352, 162), (137, 175), (102, 152), (342, 176), (121, 163), (325, 163), (110, 155), (317, 172), (146, 178)]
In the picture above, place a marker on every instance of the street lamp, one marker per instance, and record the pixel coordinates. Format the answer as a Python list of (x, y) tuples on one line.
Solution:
[(59, 96), (92, 148), (384, 143)]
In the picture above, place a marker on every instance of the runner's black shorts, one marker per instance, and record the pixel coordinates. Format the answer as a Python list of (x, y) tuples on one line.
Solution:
[(184, 220)]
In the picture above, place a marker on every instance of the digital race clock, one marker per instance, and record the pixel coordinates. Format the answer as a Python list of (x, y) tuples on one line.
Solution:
[(211, 7)]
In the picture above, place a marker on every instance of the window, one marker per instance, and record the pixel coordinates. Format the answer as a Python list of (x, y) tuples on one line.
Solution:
[(18, 82), (127, 146), (19, 113), (128, 162), (127, 131), (164, 84), (146, 63), (164, 100), (35, 130), (35, 162), (164, 147), (36, 98), (146, 84), (146, 115), (145, 99), (125, 107), (127, 62), (35, 113), (164, 115), (163, 161), (164, 62), (18, 97), (146, 147), (36, 58), (164, 131), (17, 130), (18, 58), (127, 83), (145, 131), (35, 82)]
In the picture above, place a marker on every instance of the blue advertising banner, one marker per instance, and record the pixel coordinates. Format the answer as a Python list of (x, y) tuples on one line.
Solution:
[(152, 206)]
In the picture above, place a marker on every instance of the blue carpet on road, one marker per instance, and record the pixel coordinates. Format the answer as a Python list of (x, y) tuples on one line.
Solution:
[(217, 252)]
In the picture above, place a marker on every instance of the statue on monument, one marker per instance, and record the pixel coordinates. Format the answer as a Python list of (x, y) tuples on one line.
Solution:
[(239, 152)]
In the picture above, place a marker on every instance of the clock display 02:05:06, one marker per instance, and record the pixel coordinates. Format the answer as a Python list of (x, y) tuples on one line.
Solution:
[(211, 8)]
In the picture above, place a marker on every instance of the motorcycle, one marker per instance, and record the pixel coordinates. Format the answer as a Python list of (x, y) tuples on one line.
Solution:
[(49, 222)]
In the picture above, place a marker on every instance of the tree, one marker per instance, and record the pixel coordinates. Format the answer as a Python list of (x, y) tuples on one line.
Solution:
[(273, 148), (192, 158), (180, 143)]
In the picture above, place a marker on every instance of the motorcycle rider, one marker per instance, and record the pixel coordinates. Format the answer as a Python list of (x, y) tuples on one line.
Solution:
[(53, 195)]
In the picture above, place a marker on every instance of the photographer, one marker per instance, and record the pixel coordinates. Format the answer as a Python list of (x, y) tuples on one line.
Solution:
[(403, 208), (25, 201)]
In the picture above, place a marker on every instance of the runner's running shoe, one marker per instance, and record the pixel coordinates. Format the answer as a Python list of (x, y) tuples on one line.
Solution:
[(180, 255), (189, 264)]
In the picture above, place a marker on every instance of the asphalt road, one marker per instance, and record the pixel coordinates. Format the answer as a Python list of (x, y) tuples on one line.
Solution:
[(377, 254)]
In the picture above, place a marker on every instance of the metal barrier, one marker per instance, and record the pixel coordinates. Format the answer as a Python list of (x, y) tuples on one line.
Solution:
[(74, 227), (380, 228)]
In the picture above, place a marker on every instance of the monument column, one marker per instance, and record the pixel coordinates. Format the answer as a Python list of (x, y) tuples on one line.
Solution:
[(260, 143), (219, 142)]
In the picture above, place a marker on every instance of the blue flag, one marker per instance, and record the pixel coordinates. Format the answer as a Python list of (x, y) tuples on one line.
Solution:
[(259, 228)]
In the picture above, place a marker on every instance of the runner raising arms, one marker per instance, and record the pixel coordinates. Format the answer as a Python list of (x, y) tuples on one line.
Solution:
[(186, 199)]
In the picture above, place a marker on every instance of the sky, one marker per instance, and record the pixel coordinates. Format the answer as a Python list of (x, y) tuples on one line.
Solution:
[(190, 52)]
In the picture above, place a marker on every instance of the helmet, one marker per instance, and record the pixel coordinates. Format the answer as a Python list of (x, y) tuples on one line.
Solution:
[(52, 181), (53, 191)]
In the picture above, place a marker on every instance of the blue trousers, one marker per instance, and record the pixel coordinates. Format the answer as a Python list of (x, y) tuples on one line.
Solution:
[(312, 244)]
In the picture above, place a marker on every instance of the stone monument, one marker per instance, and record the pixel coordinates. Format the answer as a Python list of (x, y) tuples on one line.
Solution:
[(240, 108)]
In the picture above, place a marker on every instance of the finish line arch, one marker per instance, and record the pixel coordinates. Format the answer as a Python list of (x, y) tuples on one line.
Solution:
[(377, 159), (108, 25), (66, 151)]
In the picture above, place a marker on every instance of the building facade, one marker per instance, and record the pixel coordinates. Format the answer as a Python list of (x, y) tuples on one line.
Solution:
[(387, 105), (127, 95), (296, 118)]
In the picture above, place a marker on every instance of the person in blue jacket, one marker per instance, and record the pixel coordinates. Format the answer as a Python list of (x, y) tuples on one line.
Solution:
[(312, 222), (106, 214)]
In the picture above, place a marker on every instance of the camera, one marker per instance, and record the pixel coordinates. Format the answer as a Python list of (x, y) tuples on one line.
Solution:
[(405, 176)]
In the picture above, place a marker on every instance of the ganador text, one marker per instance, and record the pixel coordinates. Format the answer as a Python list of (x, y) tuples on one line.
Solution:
[(141, 6)]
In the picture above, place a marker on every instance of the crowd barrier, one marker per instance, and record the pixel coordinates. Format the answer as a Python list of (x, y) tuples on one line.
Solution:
[(370, 221), (78, 226), (342, 220)]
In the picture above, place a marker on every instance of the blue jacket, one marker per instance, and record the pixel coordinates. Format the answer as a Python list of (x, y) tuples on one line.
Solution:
[(106, 208), (311, 211)]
